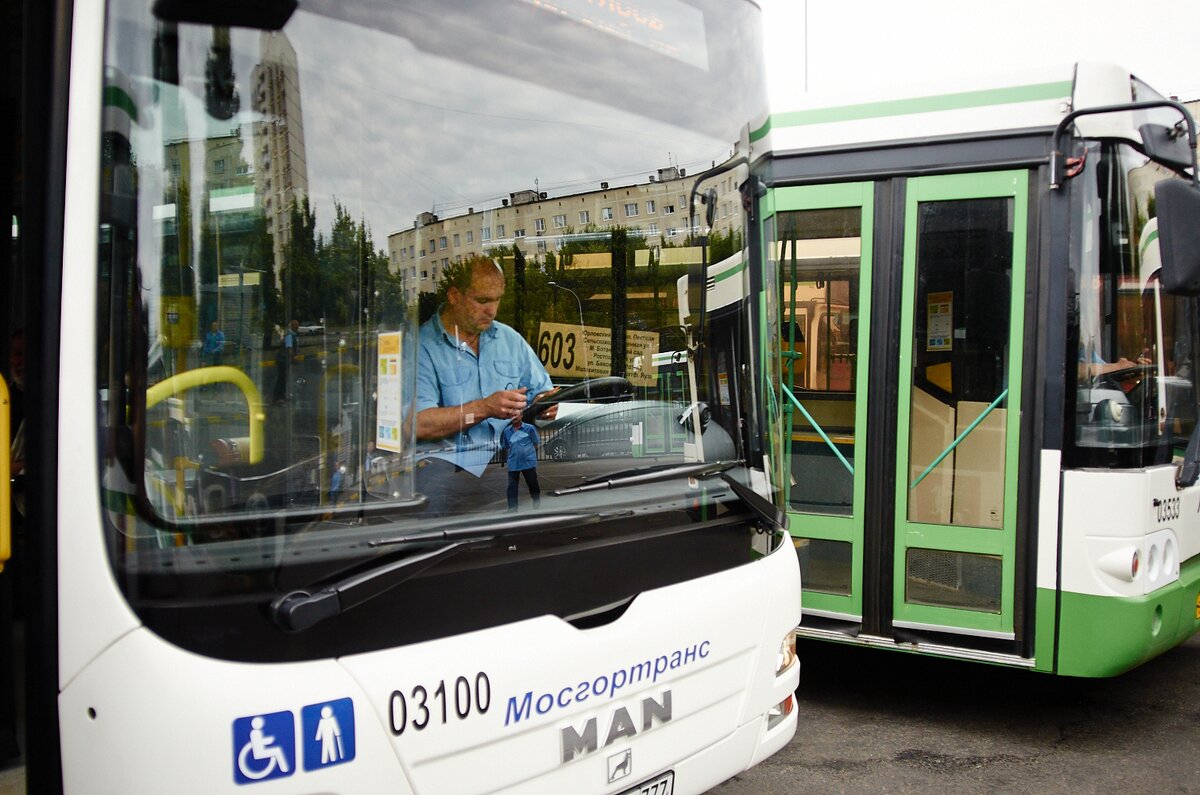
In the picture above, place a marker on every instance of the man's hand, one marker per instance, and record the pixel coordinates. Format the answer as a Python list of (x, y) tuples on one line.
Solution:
[(505, 403), (552, 411)]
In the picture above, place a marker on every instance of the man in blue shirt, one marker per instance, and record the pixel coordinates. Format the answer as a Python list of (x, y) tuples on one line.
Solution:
[(474, 374), (214, 344), (521, 441)]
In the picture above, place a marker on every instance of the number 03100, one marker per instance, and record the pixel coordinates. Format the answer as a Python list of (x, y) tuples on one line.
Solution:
[(422, 706)]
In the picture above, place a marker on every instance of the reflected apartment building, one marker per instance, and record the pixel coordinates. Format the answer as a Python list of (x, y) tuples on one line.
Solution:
[(656, 210), (280, 168)]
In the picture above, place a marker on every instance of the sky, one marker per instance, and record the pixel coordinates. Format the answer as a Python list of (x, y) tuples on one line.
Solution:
[(852, 48)]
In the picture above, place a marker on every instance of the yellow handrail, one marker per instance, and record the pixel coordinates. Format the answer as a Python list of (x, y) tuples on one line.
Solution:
[(201, 376), (5, 476)]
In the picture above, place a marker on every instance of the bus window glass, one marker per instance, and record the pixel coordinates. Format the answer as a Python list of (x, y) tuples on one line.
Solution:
[(328, 283), (1135, 396), (818, 257), (960, 352)]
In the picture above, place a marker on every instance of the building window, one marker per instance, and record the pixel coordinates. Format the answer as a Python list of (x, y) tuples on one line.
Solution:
[(500, 231), (631, 210), (456, 240), (605, 213), (485, 234), (470, 236), (670, 231), (442, 241), (519, 233), (539, 224), (219, 166), (541, 246), (560, 221), (653, 230), (650, 207), (585, 216), (424, 274), (668, 209)]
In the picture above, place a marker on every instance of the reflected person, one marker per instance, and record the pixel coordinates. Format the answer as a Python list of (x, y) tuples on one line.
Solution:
[(474, 374)]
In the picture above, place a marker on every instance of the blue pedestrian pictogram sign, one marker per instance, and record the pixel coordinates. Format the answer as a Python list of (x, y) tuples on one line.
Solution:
[(264, 747), (328, 733)]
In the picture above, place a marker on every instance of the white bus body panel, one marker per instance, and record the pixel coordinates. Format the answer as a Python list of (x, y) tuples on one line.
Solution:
[(146, 716), (1021, 100), (92, 614), (1110, 515)]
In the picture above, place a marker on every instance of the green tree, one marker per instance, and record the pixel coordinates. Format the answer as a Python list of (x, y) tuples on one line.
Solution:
[(300, 274)]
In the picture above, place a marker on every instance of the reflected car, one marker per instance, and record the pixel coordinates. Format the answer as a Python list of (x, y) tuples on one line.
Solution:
[(613, 430)]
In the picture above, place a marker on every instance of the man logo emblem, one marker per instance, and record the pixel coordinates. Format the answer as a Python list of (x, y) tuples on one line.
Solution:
[(620, 765)]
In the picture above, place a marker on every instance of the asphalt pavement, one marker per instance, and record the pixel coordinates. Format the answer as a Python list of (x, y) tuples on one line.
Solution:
[(884, 721)]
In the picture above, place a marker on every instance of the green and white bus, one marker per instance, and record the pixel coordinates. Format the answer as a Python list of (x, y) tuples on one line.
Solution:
[(231, 567), (987, 370)]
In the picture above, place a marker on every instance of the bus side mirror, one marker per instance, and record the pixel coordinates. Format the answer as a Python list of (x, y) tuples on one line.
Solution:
[(1178, 209), (1167, 145)]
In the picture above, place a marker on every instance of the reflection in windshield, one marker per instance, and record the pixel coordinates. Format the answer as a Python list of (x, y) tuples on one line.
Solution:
[(344, 258)]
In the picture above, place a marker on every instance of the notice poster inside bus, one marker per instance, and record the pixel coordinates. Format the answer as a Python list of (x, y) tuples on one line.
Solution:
[(387, 405)]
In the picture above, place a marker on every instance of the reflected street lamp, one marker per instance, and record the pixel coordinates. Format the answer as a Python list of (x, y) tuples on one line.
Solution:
[(582, 339)]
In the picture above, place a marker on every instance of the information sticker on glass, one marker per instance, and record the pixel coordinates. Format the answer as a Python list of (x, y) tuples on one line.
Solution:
[(941, 322), (388, 403)]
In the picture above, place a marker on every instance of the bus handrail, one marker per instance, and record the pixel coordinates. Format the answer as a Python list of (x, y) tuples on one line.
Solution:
[(201, 376), (966, 432), (820, 431)]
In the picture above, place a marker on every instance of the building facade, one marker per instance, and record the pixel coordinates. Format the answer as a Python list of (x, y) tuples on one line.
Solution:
[(656, 210)]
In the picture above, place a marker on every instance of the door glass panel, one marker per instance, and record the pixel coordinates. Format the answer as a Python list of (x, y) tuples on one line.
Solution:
[(958, 416), (825, 566), (820, 253), (953, 579)]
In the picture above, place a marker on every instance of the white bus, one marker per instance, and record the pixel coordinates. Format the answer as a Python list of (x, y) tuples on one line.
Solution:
[(989, 370), (229, 572)]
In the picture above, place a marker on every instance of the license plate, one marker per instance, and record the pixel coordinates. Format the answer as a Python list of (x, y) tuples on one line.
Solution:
[(661, 785)]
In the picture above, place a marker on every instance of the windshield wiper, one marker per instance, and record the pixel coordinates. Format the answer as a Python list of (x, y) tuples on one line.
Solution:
[(769, 512), (301, 609), (637, 477)]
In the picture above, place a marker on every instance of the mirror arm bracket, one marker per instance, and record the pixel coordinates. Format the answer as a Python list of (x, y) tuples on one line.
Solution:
[(1057, 156)]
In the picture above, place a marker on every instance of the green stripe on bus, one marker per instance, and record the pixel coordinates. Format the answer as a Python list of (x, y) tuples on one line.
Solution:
[(1146, 241), (118, 98), (915, 105), (723, 275)]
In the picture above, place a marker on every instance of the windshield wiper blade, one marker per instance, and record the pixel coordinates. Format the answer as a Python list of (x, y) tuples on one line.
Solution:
[(299, 610), (703, 469), (769, 512)]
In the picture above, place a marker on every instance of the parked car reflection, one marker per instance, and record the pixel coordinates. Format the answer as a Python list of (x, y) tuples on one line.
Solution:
[(630, 429)]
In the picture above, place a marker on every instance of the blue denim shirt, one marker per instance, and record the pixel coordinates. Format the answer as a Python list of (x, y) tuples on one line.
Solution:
[(450, 374), (522, 444)]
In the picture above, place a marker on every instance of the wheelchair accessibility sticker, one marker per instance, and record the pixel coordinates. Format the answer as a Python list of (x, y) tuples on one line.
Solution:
[(264, 746)]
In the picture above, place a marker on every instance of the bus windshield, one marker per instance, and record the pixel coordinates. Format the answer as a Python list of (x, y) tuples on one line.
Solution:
[(368, 280), (1135, 396)]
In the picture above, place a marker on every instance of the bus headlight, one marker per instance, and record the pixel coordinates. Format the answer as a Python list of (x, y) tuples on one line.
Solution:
[(777, 713), (1122, 563), (787, 653)]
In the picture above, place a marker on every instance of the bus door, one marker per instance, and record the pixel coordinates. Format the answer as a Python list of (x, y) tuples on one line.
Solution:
[(821, 243), (957, 441)]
